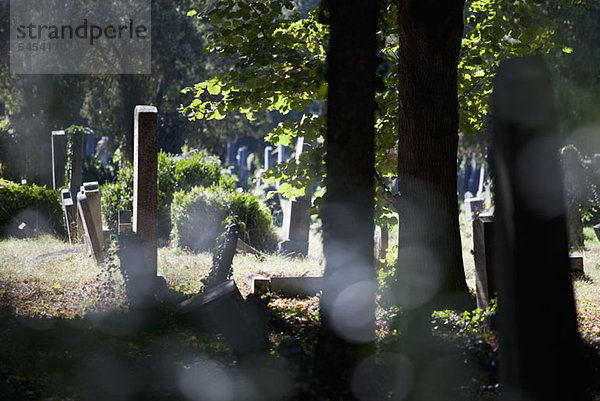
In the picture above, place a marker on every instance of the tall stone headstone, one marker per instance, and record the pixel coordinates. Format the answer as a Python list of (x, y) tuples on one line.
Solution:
[(59, 158), (596, 163), (536, 301), (483, 238), (231, 153), (91, 234), (281, 154), (145, 183), (575, 188), (296, 216), (76, 165), (381, 242), (268, 157), (242, 162), (92, 192)]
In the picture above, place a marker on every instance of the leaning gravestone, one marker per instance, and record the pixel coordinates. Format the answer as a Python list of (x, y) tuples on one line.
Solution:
[(145, 187), (91, 234), (92, 193), (296, 217), (59, 158), (540, 349)]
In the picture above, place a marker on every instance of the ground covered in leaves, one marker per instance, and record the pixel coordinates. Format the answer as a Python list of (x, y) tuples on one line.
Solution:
[(68, 333)]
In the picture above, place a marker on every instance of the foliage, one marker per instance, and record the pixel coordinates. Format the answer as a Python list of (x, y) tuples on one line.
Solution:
[(95, 170), (75, 135), (465, 324), (45, 203), (279, 63), (174, 173), (200, 214)]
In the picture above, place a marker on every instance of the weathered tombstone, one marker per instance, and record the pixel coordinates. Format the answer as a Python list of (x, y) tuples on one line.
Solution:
[(92, 193), (483, 238), (223, 308), (576, 262), (76, 167), (124, 221), (70, 214), (59, 158), (473, 207), (145, 187), (296, 217), (281, 154), (480, 186), (268, 157), (88, 223), (223, 257), (381, 242), (231, 152), (575, 188), (531, 253), (242, 162), (596, 163)]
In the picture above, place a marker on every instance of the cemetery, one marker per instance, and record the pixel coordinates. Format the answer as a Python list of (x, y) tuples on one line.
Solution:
[(287, 209)]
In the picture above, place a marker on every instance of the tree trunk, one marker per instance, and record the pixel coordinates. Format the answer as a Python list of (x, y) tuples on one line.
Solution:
[(348, 299), (430, 252)]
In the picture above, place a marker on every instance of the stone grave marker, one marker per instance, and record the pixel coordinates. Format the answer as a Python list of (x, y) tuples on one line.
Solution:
[(483, 239), (222, 307), (268, 157), (59, 158), (70, 214), (531, 250), (124, 221), (92, 192), (381, 242), (597, 231), (145, 187), (231, 152), (296, 217), (242, 162), (596, 163), (291, 287), (575, 188), (281, 154), (473, 207), (87, 219), (576, 262)]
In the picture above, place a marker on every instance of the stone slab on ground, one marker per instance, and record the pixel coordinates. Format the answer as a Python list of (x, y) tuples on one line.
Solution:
[(225, 309), (288, 286)]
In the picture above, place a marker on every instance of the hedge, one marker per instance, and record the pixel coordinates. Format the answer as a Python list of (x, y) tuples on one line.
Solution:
[(199, 216), (174, 174), (38, 207)]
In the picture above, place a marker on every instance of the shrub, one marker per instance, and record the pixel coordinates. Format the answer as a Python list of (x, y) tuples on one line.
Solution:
[(199, 216), (38, 207), (174, 174)]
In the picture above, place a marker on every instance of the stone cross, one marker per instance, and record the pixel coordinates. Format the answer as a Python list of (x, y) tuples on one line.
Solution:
[(59, 158), (145, 183)]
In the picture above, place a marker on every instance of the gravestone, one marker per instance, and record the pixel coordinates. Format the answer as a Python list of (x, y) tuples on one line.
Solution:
[(483, 238), (70, 214), (296, 217), (597, 231), (480, 187), (575, 189), (596, 163), (76, 165), (59, 158), (92, 193), (222, 307), (381, 242), (576, 262), (473, 207), (145, 188), (124, 221), (281, 154), (268, 157), (87, 219), (242, 162), (536, 300), (231, 152)]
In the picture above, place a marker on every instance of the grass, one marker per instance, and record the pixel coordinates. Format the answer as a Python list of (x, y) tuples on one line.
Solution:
[(50, 358)]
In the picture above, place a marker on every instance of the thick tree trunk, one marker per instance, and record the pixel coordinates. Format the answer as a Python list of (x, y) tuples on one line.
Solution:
[(348, 299), (430, 255)]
